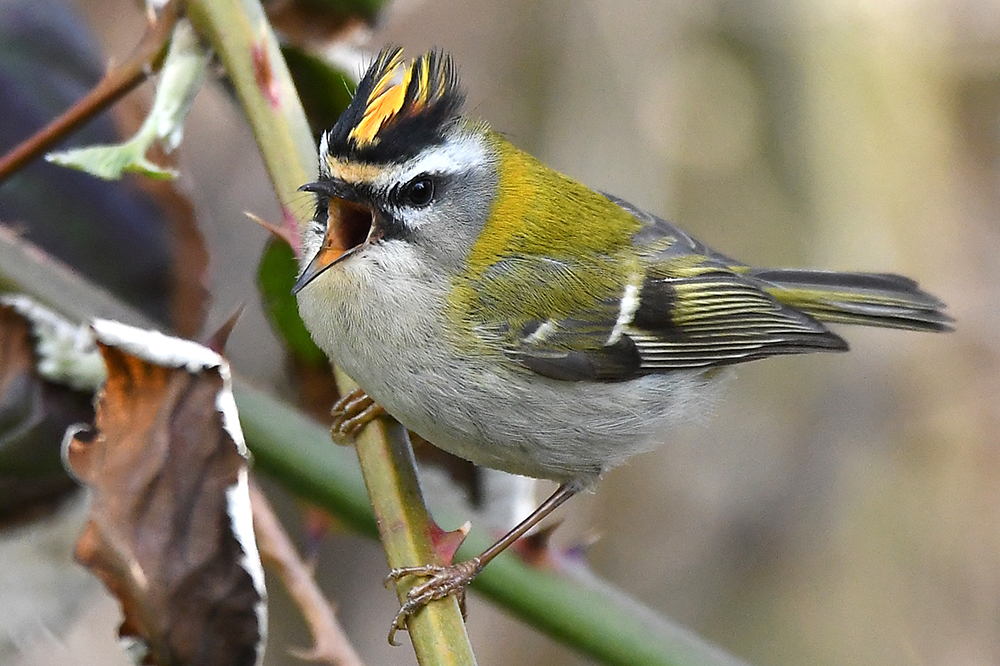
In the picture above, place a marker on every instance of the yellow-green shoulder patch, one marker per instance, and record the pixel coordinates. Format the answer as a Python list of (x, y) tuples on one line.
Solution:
[(539, 211)]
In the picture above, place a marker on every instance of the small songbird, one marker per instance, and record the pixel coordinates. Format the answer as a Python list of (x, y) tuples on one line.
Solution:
[(521, 320)]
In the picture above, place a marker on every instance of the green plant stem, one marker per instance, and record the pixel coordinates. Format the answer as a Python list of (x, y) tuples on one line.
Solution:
[(240, 34), (389, 469)]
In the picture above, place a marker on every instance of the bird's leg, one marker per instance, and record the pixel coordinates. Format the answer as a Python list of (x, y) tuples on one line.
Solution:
[(455, 578), (352, 413)]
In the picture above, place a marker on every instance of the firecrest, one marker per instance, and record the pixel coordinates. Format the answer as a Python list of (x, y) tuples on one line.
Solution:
[(521, 320)]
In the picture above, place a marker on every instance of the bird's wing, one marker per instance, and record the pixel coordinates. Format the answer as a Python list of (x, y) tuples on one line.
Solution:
[(686, 311)]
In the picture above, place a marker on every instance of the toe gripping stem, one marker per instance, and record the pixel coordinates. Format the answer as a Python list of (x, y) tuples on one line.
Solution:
[(444, 581), (454, 579), (352, 413)]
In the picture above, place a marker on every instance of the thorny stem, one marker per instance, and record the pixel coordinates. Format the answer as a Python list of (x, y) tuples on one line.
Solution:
[(330, 642), (241, 36), (145, 60)]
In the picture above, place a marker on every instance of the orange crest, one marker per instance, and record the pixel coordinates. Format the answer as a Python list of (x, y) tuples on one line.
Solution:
[(423, 91)]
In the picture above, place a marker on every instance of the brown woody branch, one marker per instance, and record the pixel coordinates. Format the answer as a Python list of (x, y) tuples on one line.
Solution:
[(330, 643)]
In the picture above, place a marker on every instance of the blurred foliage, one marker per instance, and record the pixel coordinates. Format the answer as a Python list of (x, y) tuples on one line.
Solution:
[(320, 21), (275, 276), (113, 233), (34, 414), (135, 239), (324, 90), (364, 9)]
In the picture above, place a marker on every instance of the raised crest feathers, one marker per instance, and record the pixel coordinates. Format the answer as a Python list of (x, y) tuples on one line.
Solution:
[(398, 109)]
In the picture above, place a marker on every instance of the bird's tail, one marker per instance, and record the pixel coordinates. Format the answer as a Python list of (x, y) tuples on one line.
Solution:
[(866, 299)]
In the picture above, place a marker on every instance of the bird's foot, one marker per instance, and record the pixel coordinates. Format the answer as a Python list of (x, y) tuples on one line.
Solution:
[(443, 581), (352, 413)]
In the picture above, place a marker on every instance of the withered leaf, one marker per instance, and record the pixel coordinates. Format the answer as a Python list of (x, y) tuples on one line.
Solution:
[(174, 211), (34, 412), (170, 531)]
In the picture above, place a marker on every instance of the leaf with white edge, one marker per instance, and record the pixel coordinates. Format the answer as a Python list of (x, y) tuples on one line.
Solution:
[(170, 529), (65, 352), (34, 412)]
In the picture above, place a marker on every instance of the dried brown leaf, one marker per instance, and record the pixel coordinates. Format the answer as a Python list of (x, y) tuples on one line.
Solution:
[(170, 527), (34, 413), (316, 25)]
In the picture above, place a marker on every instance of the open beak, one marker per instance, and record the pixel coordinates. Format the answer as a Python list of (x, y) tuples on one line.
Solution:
[(349, 227)]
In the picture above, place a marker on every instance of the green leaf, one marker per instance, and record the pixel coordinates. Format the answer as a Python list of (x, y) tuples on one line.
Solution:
[(275, 277), (110, 162)]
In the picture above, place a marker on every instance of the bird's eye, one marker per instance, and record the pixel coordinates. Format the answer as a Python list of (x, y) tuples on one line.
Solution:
[(418, 192)]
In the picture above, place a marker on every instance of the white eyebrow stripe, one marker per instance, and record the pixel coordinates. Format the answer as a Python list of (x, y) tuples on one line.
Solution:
[(324, 150), (460, 153)]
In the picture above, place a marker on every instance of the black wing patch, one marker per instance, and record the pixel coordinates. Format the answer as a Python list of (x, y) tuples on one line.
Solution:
[(702, 321), (718, 319), (576, 356)]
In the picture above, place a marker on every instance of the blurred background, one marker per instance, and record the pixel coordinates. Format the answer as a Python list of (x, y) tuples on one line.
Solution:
[(832, 509)]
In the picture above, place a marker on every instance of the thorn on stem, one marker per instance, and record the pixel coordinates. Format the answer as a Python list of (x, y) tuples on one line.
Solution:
[(217, 341), (287, 231)]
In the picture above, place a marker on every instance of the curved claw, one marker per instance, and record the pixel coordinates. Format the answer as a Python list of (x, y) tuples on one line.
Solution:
[(398, 623), (455, 578)]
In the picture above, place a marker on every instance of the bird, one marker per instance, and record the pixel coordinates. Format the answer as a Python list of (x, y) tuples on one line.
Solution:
[(521, 320)]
